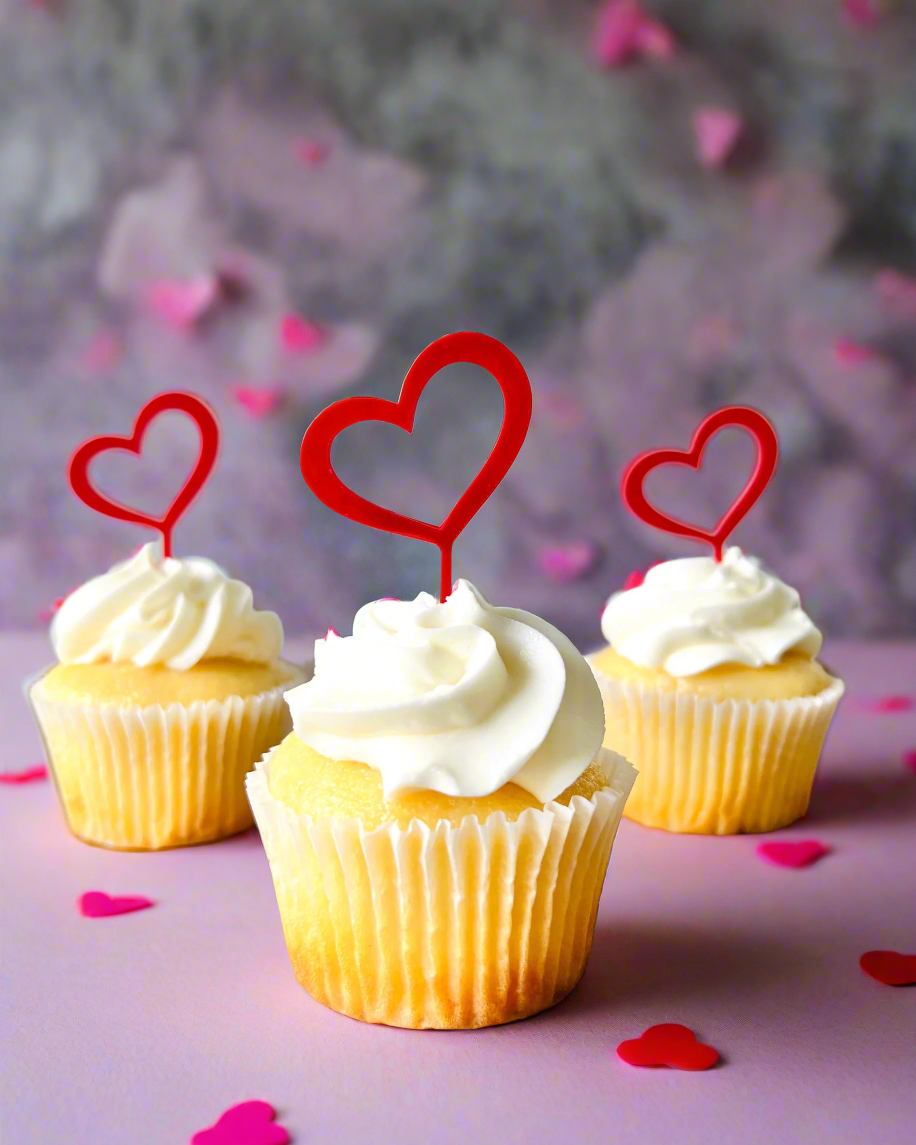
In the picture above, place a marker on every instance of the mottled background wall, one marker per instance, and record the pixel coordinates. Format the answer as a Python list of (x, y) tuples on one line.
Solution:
[(279, 203)]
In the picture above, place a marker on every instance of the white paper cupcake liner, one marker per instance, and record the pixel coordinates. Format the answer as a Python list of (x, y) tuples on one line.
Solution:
[(443, 927), (718, 767), (145, 778)]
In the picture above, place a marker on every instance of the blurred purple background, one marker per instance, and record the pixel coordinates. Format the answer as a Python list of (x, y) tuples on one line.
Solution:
[(661, 209)]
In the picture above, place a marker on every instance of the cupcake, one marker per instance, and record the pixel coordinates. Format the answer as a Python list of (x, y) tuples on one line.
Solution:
[(712, 688), (168, 687), (439, 821)]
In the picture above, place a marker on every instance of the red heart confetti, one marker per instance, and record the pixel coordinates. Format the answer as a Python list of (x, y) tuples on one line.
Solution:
[(889, 967), (259, 403), (668, 1044), (886, 705), (298, 336), (249, 1123), (27, 775), (637, 576), (849, 353), (909, 760), (182, 302), (566, 563), (796, 854), (97, 904), (463, 346), (861, 13), (716, 132), (311, 151)]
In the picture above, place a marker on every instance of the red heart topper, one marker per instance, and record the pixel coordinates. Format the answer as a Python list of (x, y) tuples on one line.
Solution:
[(205, 420), (740, 417), (464, 346)]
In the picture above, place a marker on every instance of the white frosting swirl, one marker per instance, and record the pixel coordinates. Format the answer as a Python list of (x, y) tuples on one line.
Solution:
[(693, 614), (156, 610), (458, 698)]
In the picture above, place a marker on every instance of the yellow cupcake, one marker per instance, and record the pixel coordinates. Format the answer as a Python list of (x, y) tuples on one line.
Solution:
[(169, 688), (449, 877), (711, 687)]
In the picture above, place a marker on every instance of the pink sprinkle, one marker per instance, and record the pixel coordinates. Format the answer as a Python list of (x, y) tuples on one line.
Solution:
[(311, 151), (567, 563), (716, 131), (885, 704), (101, 354), (298, 336), (898, 291), (182, 303), (27, 775), (861, 13), (909, 760), (623, 31), (849, 353), (258, 403)]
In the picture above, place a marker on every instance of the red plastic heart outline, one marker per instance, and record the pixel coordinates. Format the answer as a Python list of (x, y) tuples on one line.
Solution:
[(463, 346), (738, 417), (205, 420)]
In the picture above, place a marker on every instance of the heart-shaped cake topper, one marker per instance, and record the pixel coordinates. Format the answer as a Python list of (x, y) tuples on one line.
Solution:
[(739, 417), (205, 420), (464, 346)]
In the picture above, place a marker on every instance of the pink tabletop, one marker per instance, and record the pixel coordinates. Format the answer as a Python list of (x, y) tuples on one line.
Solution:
[(143, 1028)]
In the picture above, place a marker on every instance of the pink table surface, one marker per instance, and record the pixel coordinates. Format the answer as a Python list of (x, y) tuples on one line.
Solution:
[(141, 1029)]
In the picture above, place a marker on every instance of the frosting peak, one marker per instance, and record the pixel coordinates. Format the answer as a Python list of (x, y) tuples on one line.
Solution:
[(693, 614), (153, 609), (458, 697)]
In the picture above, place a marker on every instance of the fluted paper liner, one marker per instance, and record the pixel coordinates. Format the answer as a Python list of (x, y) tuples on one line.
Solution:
[(146, 778), (445, 927), (716, 767)]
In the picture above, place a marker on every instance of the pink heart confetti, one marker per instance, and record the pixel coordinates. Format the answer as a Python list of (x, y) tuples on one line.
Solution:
[(101, 354), (311, 151), (27, 775), (182, 302), (249, 1123), (299, 336), (623, 32), (566, 563), (861, 13), (795, 855), (897, 291), (716, 131), (258, 403), (909, 760), (849, 353), (97, 904), (884, 705)]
